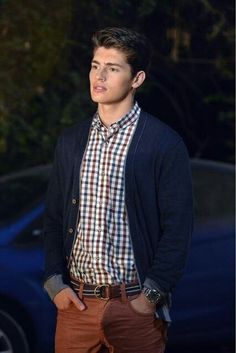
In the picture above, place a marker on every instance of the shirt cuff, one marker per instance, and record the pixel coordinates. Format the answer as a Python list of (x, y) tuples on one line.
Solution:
[(150, 284), (54, 285)]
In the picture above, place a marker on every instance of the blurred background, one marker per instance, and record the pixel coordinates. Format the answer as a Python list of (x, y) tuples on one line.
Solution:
[(45, 55)]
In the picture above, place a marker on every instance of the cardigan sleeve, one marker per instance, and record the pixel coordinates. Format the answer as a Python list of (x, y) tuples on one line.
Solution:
[(176, 217), (53, 225)]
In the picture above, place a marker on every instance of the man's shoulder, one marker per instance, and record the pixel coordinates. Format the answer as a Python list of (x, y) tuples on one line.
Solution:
[(72, 136), (160, 130), (74, 131)]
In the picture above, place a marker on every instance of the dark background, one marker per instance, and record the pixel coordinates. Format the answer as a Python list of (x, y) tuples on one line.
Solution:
[(45, 57)]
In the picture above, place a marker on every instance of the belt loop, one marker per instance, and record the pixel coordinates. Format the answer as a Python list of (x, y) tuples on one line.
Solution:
[(124, 298), (81, 288), (108, 291)]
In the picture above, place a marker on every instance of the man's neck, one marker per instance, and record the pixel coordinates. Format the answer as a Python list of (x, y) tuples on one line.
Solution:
[(110, 113)]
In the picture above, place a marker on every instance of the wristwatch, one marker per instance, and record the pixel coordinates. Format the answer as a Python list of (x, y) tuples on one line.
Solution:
[(152, 295)]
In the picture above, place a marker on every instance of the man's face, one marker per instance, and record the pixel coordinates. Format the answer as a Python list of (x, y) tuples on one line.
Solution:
[(110, 77)]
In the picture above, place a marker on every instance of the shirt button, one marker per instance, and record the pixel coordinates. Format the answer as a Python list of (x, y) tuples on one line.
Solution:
[(71, 230), (99, 229)]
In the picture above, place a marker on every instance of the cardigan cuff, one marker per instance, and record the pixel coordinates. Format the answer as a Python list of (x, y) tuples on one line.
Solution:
[(150, 284), (54, 285)]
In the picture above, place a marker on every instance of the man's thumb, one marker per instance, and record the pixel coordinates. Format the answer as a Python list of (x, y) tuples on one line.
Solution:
[(78, 303)]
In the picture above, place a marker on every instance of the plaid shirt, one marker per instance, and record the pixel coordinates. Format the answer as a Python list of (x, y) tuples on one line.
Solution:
[(102, 252)]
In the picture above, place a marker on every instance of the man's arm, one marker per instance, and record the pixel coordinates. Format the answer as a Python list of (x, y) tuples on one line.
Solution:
[(176, 217), (53, 225), (59, 292)]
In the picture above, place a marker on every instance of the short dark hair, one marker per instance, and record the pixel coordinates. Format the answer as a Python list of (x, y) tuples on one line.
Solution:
[(134, 45)]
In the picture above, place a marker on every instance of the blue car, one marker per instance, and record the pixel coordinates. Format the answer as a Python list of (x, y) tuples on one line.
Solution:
[(203, 302), (27, 316)]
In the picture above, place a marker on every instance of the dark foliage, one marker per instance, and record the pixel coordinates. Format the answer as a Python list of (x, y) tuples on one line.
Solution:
[(45, 58)]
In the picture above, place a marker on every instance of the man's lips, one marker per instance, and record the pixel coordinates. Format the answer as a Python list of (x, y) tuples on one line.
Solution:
[(99, 88)]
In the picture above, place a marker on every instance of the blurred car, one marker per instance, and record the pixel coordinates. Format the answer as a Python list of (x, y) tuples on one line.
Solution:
[(203, 302), (26, 314)]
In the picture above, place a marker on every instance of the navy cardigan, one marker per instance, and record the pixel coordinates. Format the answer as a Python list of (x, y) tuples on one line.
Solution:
[(158, 197)]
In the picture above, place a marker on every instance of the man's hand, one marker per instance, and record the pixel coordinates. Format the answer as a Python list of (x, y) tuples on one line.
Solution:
[(65, 297), (142, 305)]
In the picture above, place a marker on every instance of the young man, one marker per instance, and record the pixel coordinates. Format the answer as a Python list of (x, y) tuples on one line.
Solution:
[(118, 212)]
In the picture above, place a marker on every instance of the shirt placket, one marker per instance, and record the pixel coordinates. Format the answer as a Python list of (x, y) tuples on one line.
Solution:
[(102, 188)]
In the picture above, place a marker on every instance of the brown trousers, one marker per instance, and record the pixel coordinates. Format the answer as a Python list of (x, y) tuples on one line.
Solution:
[(108, 326)]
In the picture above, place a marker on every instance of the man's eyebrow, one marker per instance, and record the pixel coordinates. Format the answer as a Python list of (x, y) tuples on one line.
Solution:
[(107, 64)]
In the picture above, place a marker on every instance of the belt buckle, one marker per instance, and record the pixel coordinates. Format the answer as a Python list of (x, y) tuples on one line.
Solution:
[(99, 294)]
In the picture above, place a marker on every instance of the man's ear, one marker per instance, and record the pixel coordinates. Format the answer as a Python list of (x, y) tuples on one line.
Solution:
[(138, 79)]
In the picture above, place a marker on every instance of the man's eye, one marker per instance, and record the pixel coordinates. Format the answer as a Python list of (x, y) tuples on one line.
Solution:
[(113, 69), (94, 67)]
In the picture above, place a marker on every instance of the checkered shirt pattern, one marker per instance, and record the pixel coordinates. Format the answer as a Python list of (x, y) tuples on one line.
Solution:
[(102, 252)]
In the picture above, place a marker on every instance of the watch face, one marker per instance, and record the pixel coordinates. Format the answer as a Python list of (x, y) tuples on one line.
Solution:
[(153, 295)]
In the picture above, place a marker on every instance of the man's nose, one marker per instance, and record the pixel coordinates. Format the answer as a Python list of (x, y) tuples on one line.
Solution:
[(101, 74)]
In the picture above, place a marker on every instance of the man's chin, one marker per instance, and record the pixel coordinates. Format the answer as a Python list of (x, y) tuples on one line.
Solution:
[(100, 100), (96, 99)]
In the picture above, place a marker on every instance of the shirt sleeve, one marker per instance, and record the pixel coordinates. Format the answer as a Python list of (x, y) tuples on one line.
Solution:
[(54, 285)]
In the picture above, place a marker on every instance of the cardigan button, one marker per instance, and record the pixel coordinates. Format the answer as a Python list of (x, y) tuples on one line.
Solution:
[(70, 230), (74, 201)]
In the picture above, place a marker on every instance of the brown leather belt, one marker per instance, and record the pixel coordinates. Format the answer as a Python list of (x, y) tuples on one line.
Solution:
[(104, 291)]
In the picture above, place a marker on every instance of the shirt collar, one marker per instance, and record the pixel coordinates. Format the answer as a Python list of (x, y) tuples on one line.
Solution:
[(125, 121)]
